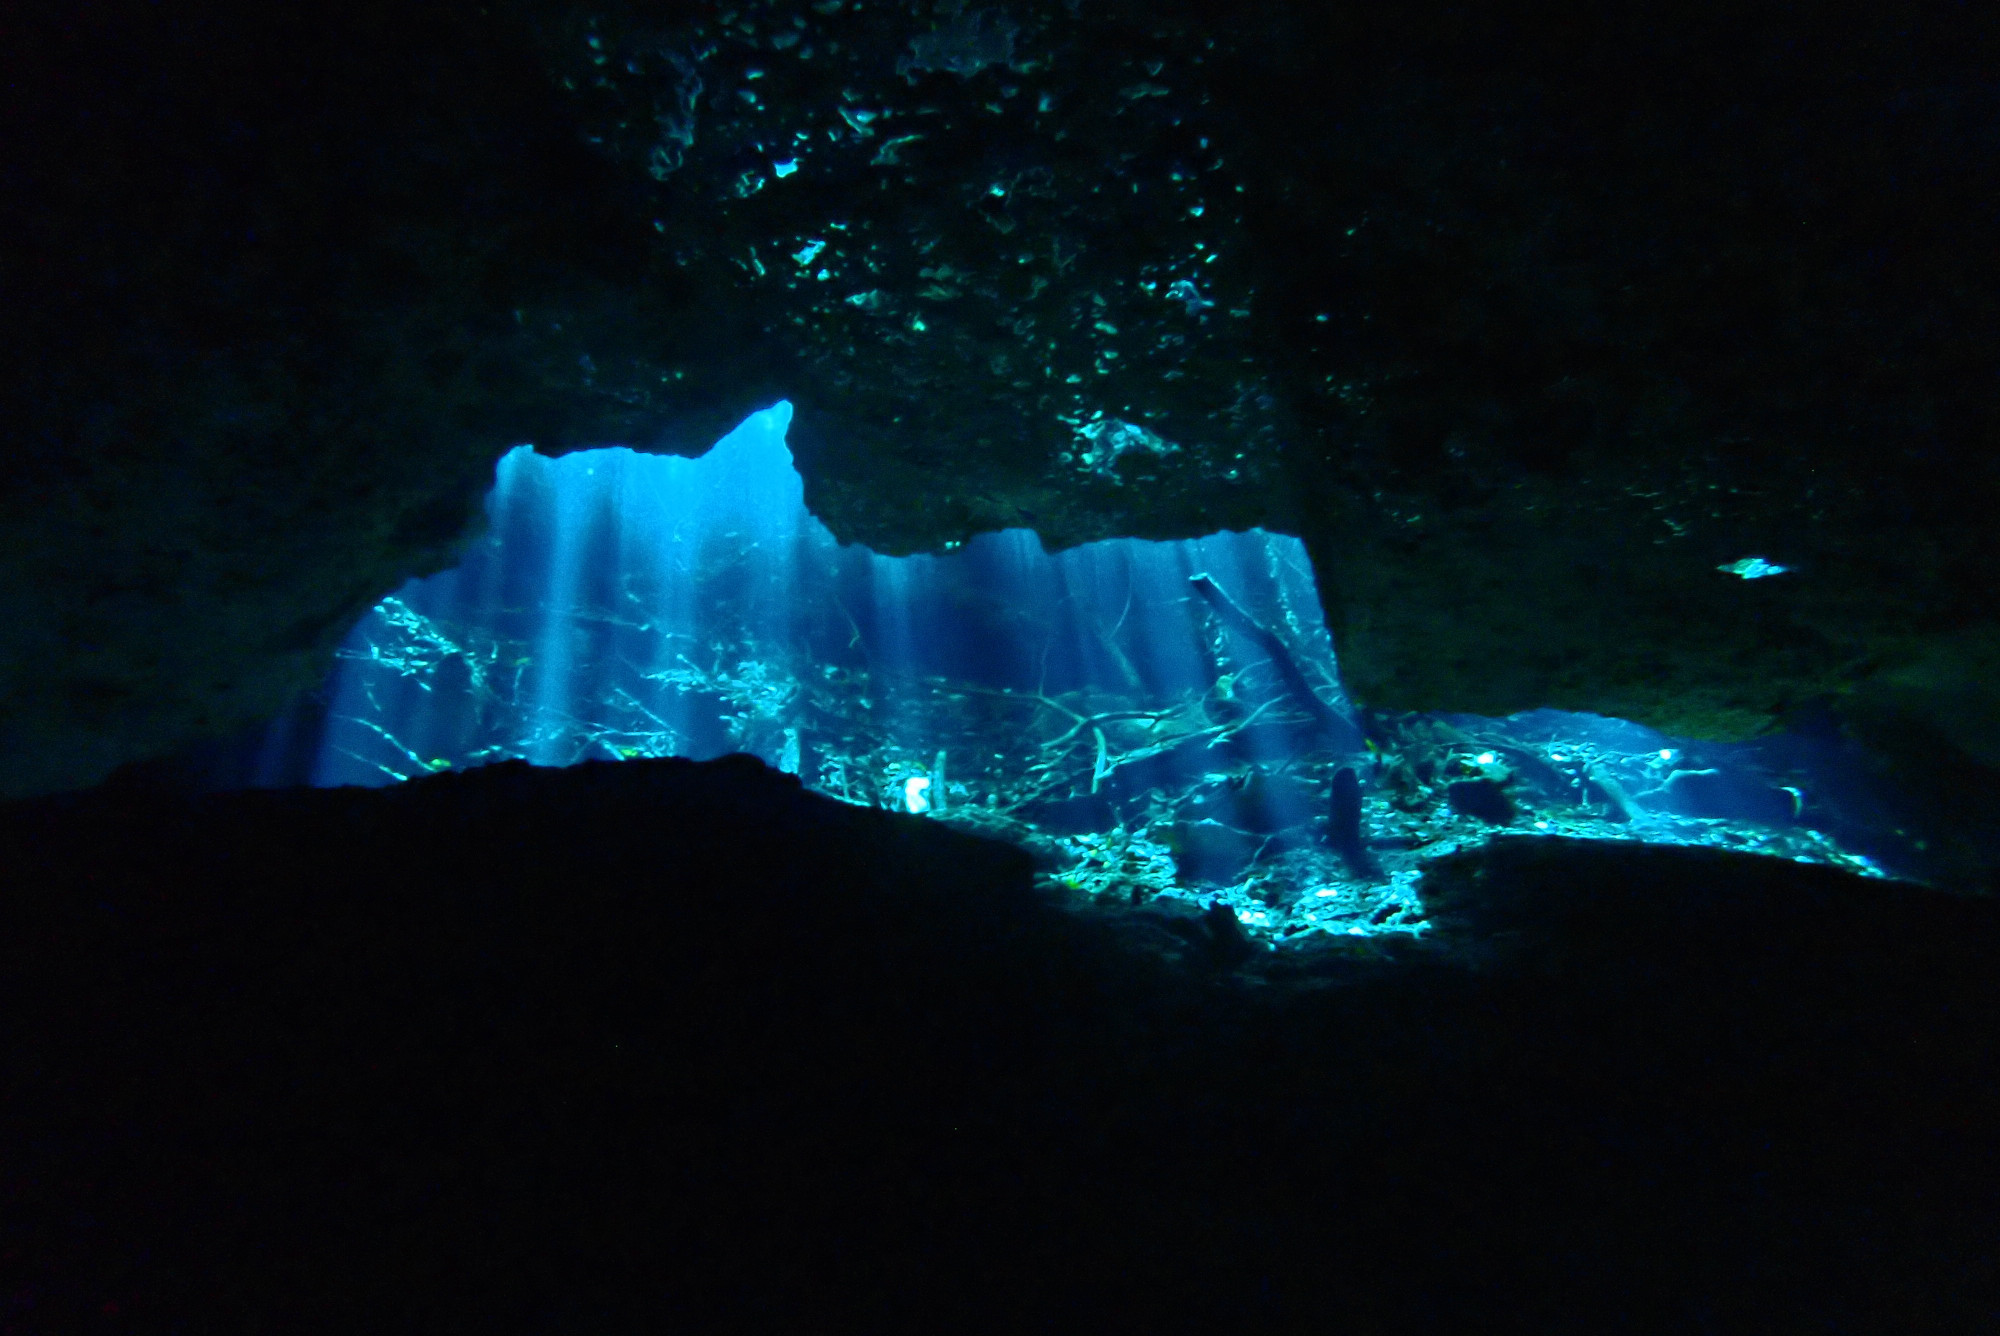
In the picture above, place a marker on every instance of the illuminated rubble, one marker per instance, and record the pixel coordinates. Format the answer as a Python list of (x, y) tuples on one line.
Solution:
[(1159, 724)]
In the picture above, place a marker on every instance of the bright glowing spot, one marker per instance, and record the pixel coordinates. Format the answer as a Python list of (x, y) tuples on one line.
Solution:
[(804, 255), (1486, 758), (1666, 753), (1541, 825), (916, 793), (1326, 892), (1752, 568), (781, 170)]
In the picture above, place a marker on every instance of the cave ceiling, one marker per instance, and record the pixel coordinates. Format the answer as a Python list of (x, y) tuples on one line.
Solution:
[(1529, 319)]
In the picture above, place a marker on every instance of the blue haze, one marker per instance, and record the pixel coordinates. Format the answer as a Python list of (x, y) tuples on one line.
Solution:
[(625, 604), (1090, 704)]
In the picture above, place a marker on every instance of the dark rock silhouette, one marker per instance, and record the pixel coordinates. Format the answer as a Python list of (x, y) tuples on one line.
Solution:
[(1344, 830), (585, 1050), (1485, 799)]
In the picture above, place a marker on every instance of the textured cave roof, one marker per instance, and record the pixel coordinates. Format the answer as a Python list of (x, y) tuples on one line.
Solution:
[(1526, 318)]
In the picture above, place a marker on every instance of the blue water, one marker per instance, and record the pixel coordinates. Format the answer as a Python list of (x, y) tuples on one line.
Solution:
[(1093, 704), (625, 604)]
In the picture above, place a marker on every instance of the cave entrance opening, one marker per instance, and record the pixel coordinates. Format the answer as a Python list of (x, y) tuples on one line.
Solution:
[(1160, 722)]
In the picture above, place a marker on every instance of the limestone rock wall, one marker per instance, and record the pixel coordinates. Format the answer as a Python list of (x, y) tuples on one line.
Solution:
[(1527, 320)]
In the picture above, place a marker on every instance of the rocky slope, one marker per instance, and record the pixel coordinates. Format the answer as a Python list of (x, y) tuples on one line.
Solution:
[(654, 1044)]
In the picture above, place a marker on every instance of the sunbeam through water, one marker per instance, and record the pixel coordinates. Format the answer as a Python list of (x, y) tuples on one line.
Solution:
[(1159, 721)]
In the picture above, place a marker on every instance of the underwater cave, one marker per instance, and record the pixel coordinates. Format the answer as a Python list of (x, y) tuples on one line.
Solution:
[(1161, 722), (1024, 665)]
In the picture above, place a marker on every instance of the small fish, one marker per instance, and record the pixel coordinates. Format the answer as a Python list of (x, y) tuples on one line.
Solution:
[(1344, 829)]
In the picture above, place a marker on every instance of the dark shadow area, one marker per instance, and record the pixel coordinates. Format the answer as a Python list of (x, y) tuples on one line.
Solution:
[(674, 1046)]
